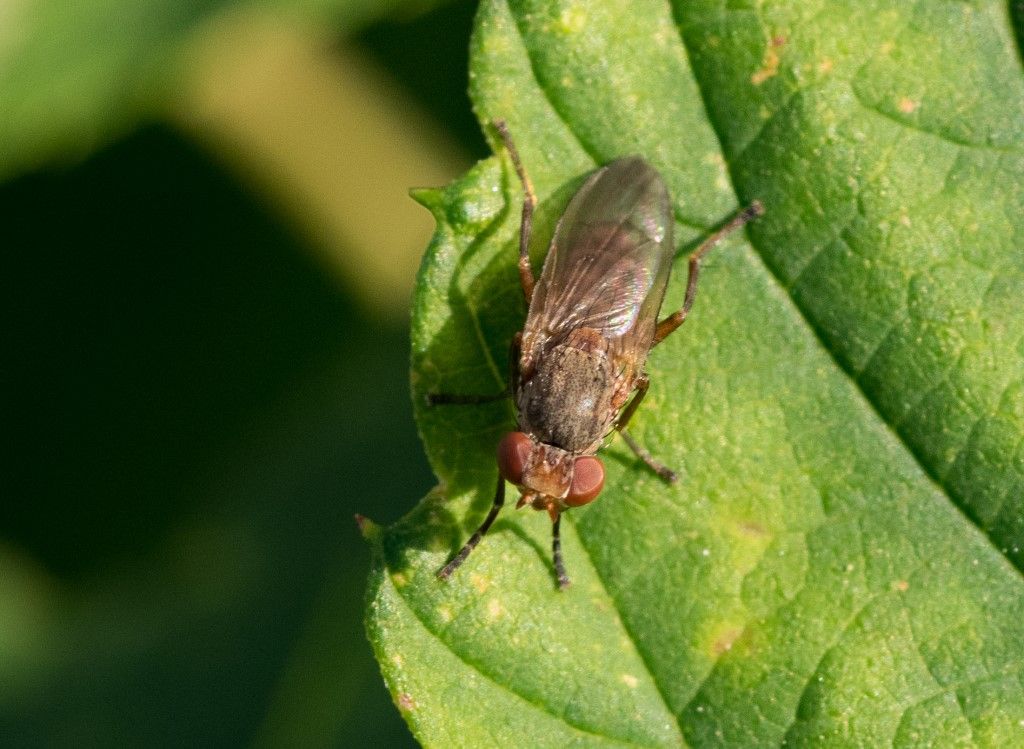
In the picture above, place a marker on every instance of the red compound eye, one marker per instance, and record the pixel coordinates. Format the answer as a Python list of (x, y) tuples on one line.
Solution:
[(587, 481), (513, 451)]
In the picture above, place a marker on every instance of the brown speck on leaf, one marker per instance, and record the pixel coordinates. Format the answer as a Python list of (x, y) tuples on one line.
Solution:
[(752, 529), (406, 703), (724, 642)]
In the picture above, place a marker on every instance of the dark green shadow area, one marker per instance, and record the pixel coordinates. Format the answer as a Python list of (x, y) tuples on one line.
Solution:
[(192, 413), (1017, 19)]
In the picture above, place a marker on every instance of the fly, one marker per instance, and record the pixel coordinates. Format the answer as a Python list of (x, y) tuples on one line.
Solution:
[(577, 367)]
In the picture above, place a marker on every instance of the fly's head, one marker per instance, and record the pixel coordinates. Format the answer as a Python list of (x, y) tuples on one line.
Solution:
[(549, 477)]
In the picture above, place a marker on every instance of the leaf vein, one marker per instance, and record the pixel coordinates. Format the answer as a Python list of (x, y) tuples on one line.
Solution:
[(946, 137), (635, 642), (825, 654), (814, 329)]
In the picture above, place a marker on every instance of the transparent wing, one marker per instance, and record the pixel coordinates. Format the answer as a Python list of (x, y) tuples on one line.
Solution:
[(608, 264)]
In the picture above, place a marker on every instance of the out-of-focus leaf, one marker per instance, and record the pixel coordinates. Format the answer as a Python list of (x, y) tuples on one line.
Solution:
[(73, 74), (840, 561), (188, 430)]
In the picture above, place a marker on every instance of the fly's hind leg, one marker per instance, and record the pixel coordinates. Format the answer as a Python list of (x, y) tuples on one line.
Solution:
[(642, 383), (529, 203), (667, 326), (661, 469)]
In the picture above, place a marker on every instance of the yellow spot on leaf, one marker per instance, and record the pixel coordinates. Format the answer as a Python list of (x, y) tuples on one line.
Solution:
[(907, 106), (629, 680), (770, 68), (494, 609), (572, 20), (900, 586), (825, 65), (480, 582), (724, 638), (770, 63)]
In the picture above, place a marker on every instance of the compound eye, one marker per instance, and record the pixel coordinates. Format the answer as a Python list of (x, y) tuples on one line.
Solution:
[(513, 452), (587, 481)]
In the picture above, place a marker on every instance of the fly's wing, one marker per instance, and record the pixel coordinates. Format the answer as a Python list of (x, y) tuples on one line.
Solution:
[(608, 264)]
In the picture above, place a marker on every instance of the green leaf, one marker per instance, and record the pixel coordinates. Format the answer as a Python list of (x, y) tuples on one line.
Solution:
[(840, 562)]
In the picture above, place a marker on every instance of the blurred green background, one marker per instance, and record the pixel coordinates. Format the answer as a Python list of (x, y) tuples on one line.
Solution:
[(207, 257)]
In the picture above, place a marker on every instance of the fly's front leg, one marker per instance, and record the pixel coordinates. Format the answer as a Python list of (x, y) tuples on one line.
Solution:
[(529, 203), (450, 399), (643, 382), (667, 326), (556, 552), (499, 499)]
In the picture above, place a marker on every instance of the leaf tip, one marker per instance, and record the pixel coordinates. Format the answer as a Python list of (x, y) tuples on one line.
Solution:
[(369, 529), (429, 197)]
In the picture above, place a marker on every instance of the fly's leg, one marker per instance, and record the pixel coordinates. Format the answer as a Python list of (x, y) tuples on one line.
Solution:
[(556, 552), (642, 383), (450, 399), (499, 499), (529, 203), (499, 492), (659, 468), (673, 321)]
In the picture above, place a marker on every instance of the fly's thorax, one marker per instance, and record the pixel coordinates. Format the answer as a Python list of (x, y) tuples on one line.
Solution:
[(568, 401)]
